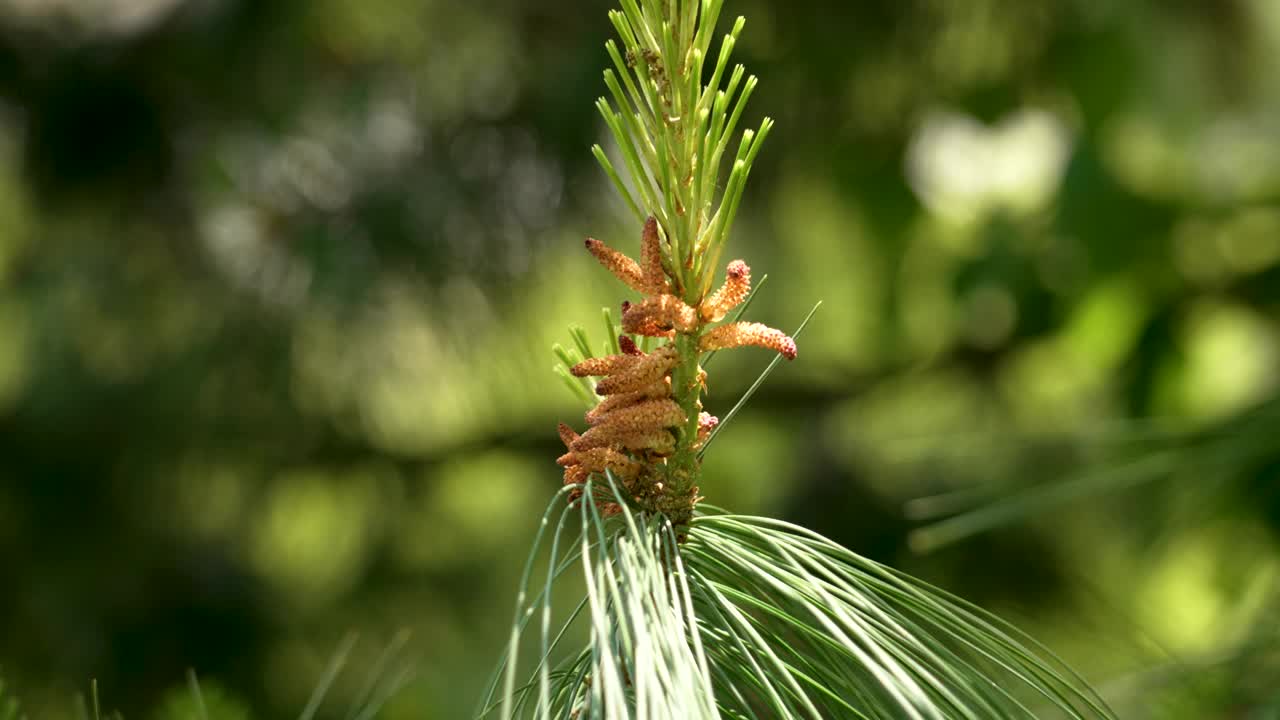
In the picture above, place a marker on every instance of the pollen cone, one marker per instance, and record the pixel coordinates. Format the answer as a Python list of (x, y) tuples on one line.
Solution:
[(736, 287), (648, 370), (657, 315), (659, 389), (655, 278), (607, 365), (748, 333), (622, 267)]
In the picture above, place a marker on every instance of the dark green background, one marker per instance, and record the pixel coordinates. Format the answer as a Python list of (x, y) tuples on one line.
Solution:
[(278, 283)]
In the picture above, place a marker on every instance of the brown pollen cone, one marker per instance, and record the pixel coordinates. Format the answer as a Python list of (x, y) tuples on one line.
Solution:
[(658, 315), (655, 278), (567, 435), (602, 459), (736, 287), (622, 267), (608, 509), (576, 474), (659, 441), (648, 370), (740, 334), (646, 415), (659, 389), (607, 365)]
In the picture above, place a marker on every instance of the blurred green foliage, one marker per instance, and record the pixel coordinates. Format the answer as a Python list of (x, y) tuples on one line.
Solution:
[(278, 283)]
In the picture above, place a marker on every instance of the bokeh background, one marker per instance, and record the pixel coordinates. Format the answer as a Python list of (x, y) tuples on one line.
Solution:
[(278, 283)]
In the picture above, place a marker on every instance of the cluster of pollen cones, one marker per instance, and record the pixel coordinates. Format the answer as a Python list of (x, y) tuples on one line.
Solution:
[(638, 422)]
